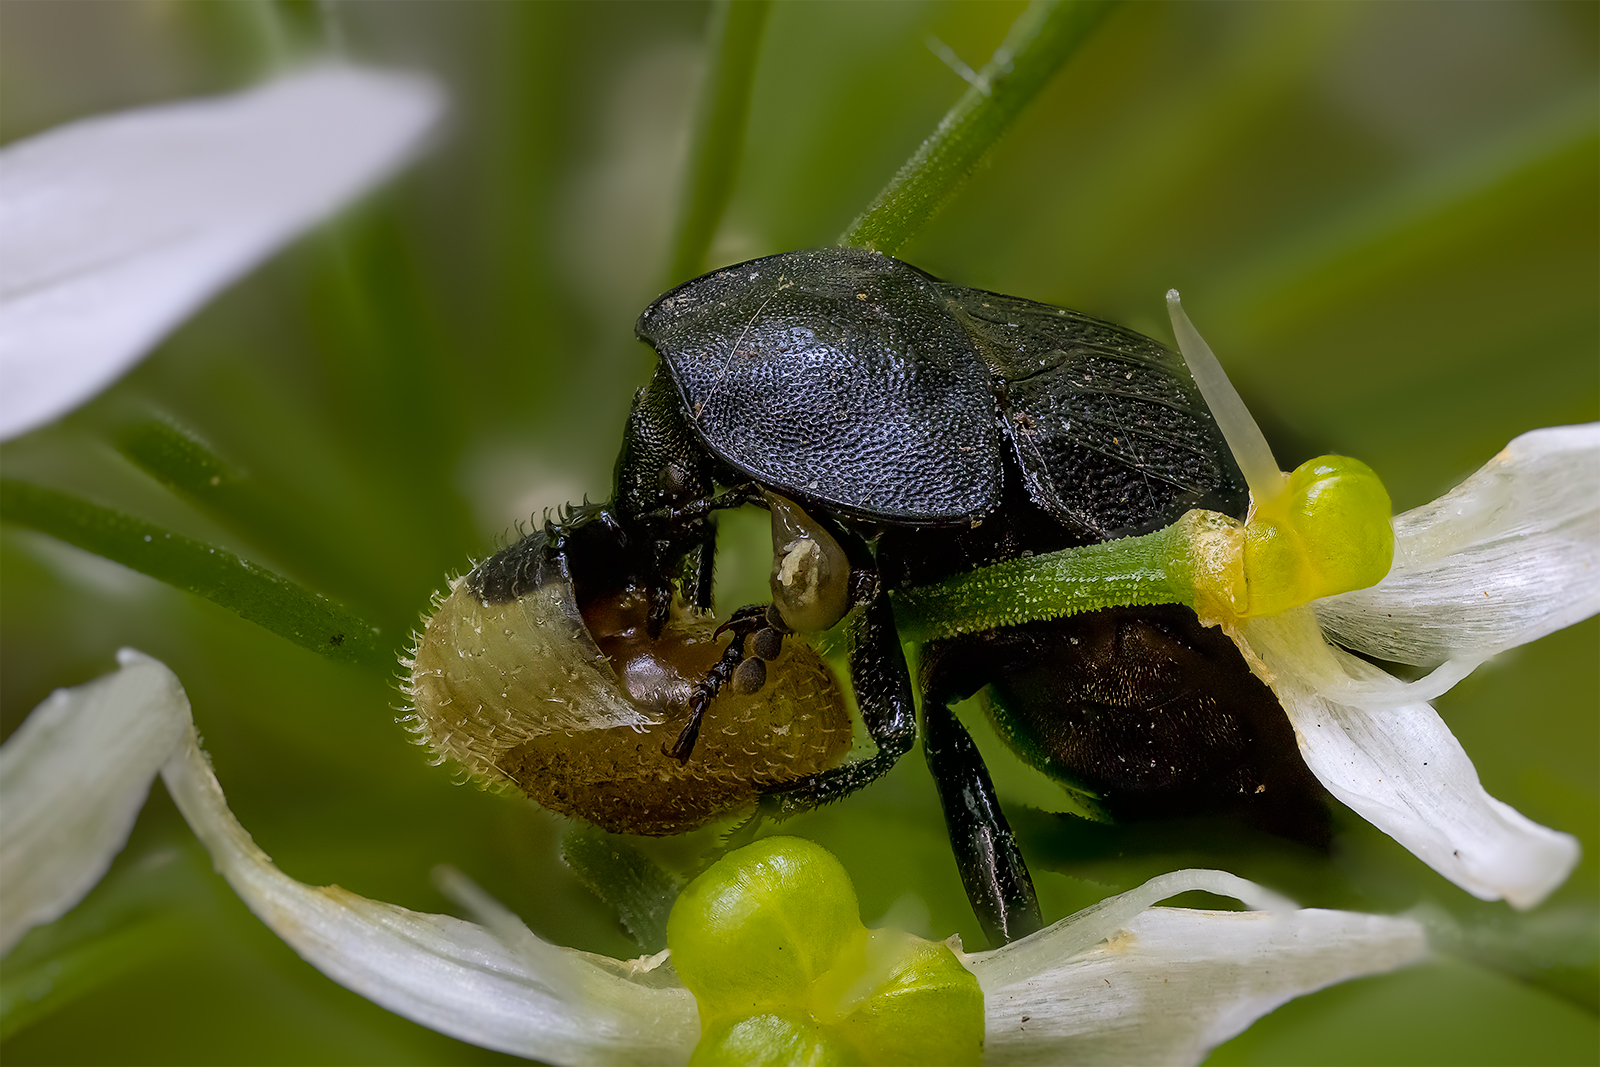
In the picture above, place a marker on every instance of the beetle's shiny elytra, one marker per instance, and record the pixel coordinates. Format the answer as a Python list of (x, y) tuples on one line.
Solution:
[(854, 382)]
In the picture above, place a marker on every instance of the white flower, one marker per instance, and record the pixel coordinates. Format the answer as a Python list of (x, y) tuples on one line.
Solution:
[(1508, 556), (117, 228), (1121, 982)]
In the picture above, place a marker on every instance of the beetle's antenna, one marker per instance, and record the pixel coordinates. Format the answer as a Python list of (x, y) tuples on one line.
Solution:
[(1245, 439)]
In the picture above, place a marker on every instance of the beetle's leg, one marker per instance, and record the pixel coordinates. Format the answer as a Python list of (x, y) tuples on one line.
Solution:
[(815, 581), (700, 699), (888, 709), (698, 583), (699, 565), (991, 864), (747, 674), (690, 511)]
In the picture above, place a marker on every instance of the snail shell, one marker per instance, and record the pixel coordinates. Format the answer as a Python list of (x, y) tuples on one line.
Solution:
[(521, 685)]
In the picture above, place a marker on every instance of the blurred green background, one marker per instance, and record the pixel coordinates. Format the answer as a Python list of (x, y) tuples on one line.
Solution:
[(1385, 218)]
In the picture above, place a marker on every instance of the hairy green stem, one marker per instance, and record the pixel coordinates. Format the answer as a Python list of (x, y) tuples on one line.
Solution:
[(256, 594), (734, 44), (1040, 41), (1157, 568)]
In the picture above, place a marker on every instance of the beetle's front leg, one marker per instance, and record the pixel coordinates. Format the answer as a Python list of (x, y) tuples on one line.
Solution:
[(663, 467), (991, 865)]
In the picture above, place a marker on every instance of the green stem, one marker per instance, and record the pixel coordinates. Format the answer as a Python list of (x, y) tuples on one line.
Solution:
[(1040, 41), (1157, 568), (187, 465), (734, 45), (178, 460), (269, 600), (35, 990)]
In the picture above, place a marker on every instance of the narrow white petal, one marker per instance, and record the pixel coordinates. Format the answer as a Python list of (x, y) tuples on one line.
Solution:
[(1167, 985), (72, 780), (544, 1002), (1087, 928), (1399, 767), (117, 228), (1245, 439), (1511, 554)]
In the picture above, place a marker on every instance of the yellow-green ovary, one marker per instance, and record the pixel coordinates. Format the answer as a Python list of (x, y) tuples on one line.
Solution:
[(1329, 532)]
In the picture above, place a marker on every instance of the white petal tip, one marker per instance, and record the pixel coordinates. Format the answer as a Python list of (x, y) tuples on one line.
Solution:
[(1399, 767), (72, 780), (117, 228), (1245, 439)]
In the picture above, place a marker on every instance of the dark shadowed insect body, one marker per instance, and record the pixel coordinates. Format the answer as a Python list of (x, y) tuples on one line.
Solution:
[(901, 430)]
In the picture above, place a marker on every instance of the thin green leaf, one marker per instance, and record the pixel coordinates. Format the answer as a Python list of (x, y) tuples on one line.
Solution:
[(178, 459), (185, 463), (269, 600), (733, 44), (624, 878), (31, 992), (1040, 41)]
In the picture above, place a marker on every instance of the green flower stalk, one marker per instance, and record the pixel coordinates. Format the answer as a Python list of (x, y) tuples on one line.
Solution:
[(1328, 532)]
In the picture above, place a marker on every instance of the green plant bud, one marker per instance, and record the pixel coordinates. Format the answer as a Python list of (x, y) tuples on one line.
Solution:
[(1328, 532), (760, 925), (773, 1039), (907, 1001), (770, 941)]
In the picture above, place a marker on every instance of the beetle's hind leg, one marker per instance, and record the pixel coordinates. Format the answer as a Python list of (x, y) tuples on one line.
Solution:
[(991, 865)]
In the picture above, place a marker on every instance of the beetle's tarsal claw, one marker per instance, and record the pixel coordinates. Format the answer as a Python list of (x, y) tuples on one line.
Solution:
[(683, 747), (747, 620)]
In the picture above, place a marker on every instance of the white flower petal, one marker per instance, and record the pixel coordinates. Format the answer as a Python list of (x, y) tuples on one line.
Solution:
[(72, 780), (1174, 983), (117, 228), (1400, 768), (534, 999), (1087, 928), (1511, 554)]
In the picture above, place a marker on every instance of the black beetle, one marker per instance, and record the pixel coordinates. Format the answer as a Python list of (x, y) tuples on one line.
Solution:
[(933, 428), (902, 429)]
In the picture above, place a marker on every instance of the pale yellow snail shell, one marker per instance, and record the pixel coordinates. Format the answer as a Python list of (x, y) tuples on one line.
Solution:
[(520, 693)]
